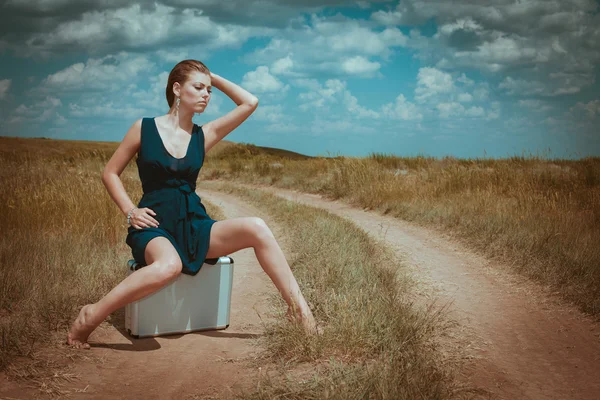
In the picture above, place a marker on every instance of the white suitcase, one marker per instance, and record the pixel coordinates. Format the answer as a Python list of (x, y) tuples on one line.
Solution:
[(188, 304)]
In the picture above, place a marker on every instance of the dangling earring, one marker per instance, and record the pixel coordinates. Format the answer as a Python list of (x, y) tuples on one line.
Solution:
[(177, 106)]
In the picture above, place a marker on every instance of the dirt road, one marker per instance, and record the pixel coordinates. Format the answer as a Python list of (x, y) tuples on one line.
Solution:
[(520, 343)]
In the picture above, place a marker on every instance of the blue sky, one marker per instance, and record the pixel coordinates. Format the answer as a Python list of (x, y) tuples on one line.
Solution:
[(461, 78)]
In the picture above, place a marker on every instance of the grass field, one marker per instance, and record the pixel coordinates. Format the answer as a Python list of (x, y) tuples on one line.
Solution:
[(63, 245), (541, 217)]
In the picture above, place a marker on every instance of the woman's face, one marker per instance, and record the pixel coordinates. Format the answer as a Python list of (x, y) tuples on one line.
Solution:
[(196, 91)]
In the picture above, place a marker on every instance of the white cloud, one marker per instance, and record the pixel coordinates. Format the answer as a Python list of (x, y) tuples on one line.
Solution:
[(431, 82), (439, 95), (530, 103), (455, 109), (475, 111), (359, 65), (494, 112), (523, 87), (279, 127), (504, 50), (349, 36), (319, 44), (334, 91), (402, 109), (450, 109), (481, 93), (393, 37), (552, 45), (155, 97), (106, 109), (352, 106), (461, 24), (466, 81), (322, 96), (311, 84), (107, 73), (535, 105), (558, 84), (4, 86), (60, 120), (283, 66), (270, 113), (387, 17), (338, 126), (440, 91), (465, 98), (592, 108), (173, 55), (261, 81), (137, 27), (41, 111)]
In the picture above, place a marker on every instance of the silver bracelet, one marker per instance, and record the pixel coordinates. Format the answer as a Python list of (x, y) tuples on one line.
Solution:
[(129, 216)]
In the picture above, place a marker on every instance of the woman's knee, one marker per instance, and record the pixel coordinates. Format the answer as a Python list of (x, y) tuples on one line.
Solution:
[(163, 258), (260, 229), (167, 269)]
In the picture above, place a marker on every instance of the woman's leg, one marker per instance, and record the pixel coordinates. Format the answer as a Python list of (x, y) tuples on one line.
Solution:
[(164, 265), (234, 234)]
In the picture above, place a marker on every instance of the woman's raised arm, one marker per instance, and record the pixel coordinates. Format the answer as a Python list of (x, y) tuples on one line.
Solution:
[(217, 129)]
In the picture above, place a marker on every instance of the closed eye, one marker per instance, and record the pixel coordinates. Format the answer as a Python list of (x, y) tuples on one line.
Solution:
[(200, 88)]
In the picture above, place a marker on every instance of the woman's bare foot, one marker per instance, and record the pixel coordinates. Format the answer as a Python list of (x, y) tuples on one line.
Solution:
[(307, 320), (81, 328)]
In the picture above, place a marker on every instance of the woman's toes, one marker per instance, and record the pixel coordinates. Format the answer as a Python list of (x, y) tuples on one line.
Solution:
[(76, 344), (81, 328), (314, 329)]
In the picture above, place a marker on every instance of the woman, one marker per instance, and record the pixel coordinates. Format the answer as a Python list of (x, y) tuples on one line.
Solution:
[(170, 231)]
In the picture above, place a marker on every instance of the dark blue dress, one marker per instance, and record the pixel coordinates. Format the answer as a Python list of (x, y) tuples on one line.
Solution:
[(169, 186)]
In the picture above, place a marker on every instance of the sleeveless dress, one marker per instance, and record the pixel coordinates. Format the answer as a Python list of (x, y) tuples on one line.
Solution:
[(169, 186)]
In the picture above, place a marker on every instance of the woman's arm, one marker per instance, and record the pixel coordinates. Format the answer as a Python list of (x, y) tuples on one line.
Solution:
[(115, 166), (140, 218), (216, 130)]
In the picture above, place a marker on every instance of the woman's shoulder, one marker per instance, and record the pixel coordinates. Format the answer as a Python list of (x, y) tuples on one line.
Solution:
[(142, 119), (140, 122), (145, 120)]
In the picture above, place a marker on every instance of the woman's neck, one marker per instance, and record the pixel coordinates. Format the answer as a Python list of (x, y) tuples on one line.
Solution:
[(183, 120)]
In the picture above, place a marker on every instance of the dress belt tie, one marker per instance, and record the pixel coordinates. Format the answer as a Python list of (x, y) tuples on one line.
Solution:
[(182, 203)]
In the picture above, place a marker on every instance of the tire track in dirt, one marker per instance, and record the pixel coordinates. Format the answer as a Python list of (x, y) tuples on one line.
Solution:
[(518, 342), (207, 365)]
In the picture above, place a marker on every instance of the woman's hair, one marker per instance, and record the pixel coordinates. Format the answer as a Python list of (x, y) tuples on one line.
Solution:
[(180, 73)]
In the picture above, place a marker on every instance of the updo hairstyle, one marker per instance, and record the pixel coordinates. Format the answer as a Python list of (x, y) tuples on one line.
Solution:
[(180, 73)]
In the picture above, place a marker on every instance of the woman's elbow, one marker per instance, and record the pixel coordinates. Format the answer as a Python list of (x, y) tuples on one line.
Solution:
[(106, 174)]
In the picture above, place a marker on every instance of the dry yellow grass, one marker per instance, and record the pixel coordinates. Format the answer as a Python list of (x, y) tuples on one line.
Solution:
[(63, 243), (540, 216), (64, 247)]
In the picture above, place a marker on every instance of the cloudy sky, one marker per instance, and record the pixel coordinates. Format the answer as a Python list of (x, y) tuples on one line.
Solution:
[(468, 78)]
